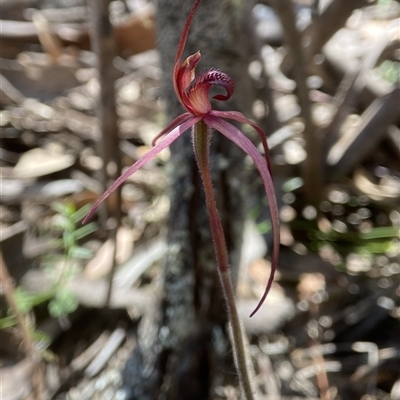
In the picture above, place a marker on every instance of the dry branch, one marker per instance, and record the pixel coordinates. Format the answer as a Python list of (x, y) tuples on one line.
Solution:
[(353, 147), (293, 38)]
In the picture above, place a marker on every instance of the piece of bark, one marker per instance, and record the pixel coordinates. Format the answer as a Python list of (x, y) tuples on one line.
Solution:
[(136, 33), (133, 34), (353, 147)]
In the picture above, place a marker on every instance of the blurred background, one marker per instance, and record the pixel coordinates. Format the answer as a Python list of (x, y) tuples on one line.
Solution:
[(128, 306)]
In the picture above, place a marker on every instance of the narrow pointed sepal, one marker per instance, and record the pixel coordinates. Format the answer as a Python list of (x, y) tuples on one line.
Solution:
[(238, 137), (161, 145)]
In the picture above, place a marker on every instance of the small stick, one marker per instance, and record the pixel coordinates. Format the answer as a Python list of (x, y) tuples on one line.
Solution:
[(29, 346), (104, 46)]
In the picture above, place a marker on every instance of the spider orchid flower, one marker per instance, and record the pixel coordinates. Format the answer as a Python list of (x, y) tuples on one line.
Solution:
[(192, 92)]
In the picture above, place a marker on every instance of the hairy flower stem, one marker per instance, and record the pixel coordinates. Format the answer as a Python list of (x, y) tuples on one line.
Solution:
[(201, 141)]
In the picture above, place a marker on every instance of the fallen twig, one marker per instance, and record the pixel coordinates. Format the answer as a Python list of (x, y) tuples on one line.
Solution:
[(37, 378), (312, 166)]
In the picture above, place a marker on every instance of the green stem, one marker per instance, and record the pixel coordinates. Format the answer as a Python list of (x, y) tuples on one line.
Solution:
[(201, 141)]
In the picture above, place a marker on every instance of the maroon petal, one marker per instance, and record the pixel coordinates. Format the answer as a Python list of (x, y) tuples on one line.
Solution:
[(165, 142), (237, 137), (177, 121), (183, 78), (181, 47), (216, 77), (239, 117)]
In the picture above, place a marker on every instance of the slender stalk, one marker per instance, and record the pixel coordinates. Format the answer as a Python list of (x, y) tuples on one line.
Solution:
[(201, 141), (103, 44), (29, 346)]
